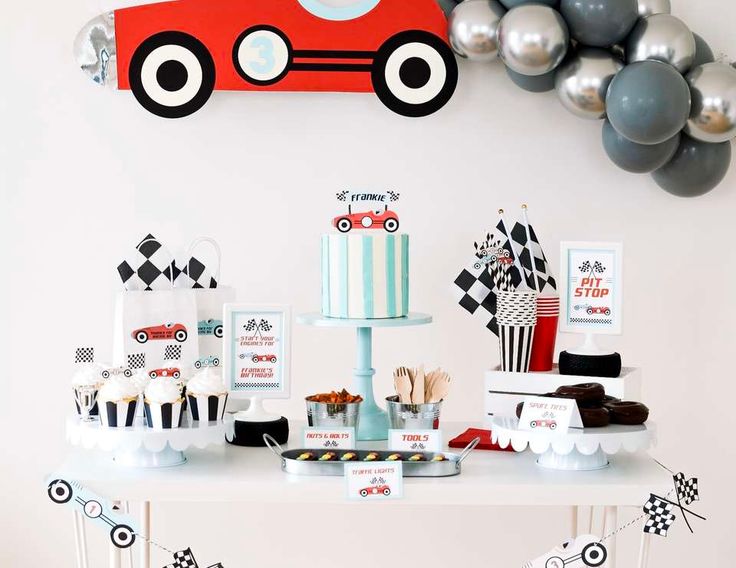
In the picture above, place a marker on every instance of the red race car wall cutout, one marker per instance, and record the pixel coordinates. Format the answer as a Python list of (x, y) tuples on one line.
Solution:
[(173, 55)]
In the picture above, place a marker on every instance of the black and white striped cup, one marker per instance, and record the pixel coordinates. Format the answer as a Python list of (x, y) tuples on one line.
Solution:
[(118, 414), (164, 416), (206, 408), (517, 319)]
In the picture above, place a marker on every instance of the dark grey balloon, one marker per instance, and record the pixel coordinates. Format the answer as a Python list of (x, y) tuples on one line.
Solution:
[(637, 158), (600, 23), (533, 84), (695, 169), (703, 52), (514, 3), (648, 102)]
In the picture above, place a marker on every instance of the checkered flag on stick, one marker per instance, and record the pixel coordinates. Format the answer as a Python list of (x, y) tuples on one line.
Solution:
[(660, 516), (136, 361), (264, 325), (473, 290), (252, 325), (687, 489), (172, 353), (84, 355), (184, 559), (343, 195), (393, 195)]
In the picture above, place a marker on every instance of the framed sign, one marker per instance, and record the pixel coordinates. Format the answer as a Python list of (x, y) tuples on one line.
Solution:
[(591, 298), (257, 354)]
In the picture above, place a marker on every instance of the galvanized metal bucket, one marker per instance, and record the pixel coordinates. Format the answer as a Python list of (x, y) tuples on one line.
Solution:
[(328, 415), (413, 416)]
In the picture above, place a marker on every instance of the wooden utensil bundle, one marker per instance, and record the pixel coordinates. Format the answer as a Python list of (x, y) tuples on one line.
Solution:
[(414, 386)]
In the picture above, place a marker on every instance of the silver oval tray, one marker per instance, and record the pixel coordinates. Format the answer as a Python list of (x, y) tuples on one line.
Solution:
[(427, 468)]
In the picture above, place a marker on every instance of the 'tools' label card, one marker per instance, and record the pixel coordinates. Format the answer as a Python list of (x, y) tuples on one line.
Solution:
[(415, 440), (379, 480), (552, 415), (329, 438)]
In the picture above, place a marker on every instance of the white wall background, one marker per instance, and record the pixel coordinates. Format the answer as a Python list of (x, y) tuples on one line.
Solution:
[(85, 172)]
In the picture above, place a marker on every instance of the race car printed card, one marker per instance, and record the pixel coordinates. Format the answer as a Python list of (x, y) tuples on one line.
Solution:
[(551, 415), (257, 350), (375, 482), (591, 301)]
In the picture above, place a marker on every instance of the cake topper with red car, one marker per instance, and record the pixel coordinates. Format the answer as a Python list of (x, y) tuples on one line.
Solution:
[(366, 210), (173, 55)]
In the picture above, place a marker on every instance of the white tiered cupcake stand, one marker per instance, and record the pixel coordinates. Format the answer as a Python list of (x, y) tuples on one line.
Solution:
[(373, 423), (578, 449), (140, 446)]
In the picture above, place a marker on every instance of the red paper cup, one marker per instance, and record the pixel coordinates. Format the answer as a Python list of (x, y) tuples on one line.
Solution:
[(545, 335)]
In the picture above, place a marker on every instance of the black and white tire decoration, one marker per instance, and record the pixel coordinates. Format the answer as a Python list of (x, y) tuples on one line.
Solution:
[(122, 536), (198, 364), (105, 374), (594, 554), (172, 74), (344, 225), (414, 73), (391, 225), (218, 331), (141, 337), (180, 335), (262, 55), (60, 491)]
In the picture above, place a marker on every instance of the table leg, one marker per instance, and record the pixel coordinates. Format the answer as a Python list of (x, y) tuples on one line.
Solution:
[(574, 522), (611, 523), (145, 532), (644, 550), (80, 540)]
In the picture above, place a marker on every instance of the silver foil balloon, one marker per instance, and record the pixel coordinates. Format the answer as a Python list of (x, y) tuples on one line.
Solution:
[(95, 50), (582, 81), (713, 111), (649, 7), (663, 38), (473, 25), (532, 39)]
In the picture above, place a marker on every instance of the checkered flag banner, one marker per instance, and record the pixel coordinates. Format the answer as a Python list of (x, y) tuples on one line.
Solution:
[(660, 516), (531, 256), (184, 559), (136, 361), (473, 290), (84, 355), (172, 352), (687, 489)]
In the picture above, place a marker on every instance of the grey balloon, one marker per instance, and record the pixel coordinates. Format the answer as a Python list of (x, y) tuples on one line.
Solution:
[(447, 6), (696, 168), (649, 7), (713, 111), (648, 102), (703, 52), (582, 81), (600, 23), (473, 27), (637, 158), (514, 3), (537, 84), (662, 37), (532, 39)]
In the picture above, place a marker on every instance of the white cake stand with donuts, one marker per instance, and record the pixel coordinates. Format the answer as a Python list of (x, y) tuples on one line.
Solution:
[(141, 446), (579, 449)]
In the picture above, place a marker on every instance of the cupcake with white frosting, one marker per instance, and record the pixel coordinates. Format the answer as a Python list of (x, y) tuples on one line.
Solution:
[(86, 383), (141, 380), (207, 395), (163, 404), (118, 399)]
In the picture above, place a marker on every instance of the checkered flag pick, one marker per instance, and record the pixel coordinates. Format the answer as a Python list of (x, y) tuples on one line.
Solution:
[(172, 352), (473, 290), (687, 489), (660, 516), (136, 361), (184, 559), (84, 355)]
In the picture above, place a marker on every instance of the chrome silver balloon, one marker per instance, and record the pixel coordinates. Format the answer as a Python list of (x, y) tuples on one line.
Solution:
[(649, 7), (713, 111), (473, 25), (582, 81), (533, 39), (663, 38), (95, 50)]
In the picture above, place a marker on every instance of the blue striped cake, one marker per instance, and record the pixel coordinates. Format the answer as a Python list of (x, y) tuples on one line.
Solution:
[(365, 276)]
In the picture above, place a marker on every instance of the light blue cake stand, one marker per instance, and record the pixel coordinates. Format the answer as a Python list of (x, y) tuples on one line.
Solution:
[(373, 424)]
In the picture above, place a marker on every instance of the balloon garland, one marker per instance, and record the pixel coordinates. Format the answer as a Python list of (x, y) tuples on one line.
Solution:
[(668, 107)]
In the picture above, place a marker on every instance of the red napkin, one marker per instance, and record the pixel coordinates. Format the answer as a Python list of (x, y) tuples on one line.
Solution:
[(485, 440)]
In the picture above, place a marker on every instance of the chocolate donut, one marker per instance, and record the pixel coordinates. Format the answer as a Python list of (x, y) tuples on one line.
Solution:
[(594, 417), (584, 393), (628, 412)]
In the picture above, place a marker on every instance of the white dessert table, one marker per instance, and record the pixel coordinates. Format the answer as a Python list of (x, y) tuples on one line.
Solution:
[(489, 478)]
